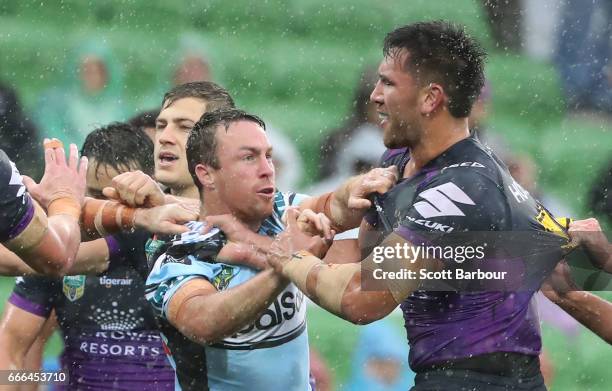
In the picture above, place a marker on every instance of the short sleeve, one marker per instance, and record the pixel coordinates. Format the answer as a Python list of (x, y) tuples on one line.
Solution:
[(16, 206), (34, 294), (182, 263)]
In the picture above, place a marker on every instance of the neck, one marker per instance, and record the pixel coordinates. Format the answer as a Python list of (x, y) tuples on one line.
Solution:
[(212, 206), (187, 192), (436, 138)]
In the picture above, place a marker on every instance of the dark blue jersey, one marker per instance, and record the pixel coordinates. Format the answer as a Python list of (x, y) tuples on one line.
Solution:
[(16, 206), (468, 191)]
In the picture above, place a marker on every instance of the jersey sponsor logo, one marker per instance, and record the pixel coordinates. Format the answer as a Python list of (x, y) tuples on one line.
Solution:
[(284, 308), (16, 180), (464, 164), (440, 201), (109, 282), (518, 192), (108, 349), (73, 287), (431, 224), (284, 320)]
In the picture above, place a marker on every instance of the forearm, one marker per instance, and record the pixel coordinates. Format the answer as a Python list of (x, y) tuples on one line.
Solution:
[(12, 265), (211, 317), (100, 218), (590, 310), (92, 258), (600, 254)]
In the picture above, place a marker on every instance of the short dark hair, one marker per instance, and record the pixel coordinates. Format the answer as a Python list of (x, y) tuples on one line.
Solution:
[(443, 53), (216, 97), (202, 142), (145, 119), (120, 146)]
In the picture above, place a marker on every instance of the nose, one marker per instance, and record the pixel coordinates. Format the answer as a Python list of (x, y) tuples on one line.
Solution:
[(376, 95), (266, 167), (166, 136)]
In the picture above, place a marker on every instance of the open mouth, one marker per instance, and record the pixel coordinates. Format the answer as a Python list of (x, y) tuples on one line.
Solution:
[(268, 191), (167, 157)]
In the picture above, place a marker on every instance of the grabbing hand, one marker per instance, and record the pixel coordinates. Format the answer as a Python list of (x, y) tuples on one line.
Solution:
[(135, 189), (377, 180), (61, 179), (165, 219), (313, 224), (558, 283), (293, 239)]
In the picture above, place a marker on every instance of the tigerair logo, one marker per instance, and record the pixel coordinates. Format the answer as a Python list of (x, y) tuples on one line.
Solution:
[(109, 282)]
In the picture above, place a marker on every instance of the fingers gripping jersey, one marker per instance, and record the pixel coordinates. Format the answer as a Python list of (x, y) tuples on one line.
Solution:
[(270, 353), (467, 190), (16, 208)]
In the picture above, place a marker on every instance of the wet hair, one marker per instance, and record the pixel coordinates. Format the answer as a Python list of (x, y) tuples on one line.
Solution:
[(441, 52), (202, 142), (120, 146), (145, 119), (216, 97)]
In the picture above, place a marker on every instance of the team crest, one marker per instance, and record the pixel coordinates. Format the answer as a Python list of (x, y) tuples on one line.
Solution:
[(74, 287), (221, 281)]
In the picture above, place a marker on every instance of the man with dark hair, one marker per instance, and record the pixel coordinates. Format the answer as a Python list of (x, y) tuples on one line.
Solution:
[(145, 121), (129, 145), (181, 108), (430, 76), (110, 333), (243, 317), (251, 323)]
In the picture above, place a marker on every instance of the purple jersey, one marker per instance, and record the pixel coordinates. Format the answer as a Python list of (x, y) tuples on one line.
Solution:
[(110, 334), (16, 207), (465, 189)]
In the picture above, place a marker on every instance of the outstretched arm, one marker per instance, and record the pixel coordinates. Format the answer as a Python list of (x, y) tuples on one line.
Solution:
[(205, 315), (346, 206), (48, 242), (588, 234), (590, 310), (338, 287)]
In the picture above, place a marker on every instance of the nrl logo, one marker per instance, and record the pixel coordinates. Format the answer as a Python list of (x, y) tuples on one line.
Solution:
[(73, 287)]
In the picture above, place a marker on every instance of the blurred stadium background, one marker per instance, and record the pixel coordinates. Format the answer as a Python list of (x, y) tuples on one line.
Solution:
[(297, 63)]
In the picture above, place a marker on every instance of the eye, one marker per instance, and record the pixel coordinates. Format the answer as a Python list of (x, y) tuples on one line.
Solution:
[(248, 157)]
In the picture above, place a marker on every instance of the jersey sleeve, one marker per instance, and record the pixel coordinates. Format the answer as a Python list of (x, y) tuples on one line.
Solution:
[(16, 206), (34, 294), (182, 263), (453, 202)]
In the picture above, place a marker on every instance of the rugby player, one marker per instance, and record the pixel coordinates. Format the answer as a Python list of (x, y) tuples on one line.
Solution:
[(46, 241), (109, 331), (233, 319), (428, 80)]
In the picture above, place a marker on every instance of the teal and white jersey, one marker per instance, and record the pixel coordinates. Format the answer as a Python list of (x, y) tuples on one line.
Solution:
[(271, 353)]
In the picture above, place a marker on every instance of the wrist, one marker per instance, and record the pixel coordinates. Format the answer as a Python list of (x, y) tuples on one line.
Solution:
[(140, 218), (64, 206)]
